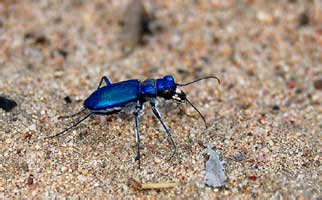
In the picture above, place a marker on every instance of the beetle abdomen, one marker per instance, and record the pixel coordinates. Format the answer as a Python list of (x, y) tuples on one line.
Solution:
[(112, 96)]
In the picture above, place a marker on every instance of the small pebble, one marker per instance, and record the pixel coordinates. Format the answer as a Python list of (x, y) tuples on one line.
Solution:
[(264, 17), (275, 108), (68, 100), (63, 168), (318, 84), (32, 127), (239, 157), (252, 178), (37, 38), (82, 178), (24, 166), (291, 84), (30, 179), (157, 160), (304, 19), (60, 52), (9, 141), (7, 104), (85, 172)]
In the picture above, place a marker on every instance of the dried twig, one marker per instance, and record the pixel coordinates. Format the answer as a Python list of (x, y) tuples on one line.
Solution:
[(147, 186)]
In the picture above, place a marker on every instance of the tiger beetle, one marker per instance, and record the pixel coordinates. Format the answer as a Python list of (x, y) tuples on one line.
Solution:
[(115, 97)]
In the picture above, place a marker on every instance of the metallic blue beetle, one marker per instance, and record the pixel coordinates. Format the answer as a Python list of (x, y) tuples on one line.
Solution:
[(115, 97)]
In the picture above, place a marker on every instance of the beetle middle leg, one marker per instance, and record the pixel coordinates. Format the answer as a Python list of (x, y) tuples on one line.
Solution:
[(167, 130), (138, 108)]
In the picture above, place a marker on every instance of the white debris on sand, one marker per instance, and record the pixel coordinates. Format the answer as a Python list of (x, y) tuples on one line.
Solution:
[(215, 172)]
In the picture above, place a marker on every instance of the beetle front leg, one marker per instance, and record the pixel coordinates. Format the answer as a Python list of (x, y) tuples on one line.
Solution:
[(167, 130), (105, 79), (137, 132)]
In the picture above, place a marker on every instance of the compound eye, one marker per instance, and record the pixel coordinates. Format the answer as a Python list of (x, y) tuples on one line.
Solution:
[(167, 93)]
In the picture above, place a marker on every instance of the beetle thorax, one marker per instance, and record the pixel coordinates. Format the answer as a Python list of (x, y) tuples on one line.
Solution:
[(164, 87)]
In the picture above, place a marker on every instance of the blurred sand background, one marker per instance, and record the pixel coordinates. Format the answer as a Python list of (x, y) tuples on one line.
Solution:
[(264, 119)]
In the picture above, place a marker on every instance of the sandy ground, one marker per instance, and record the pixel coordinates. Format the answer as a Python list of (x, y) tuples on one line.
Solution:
[(264, 119)]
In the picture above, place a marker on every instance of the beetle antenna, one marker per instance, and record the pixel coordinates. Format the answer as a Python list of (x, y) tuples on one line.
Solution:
[(207, 77), (202, 117), (73, 115), (72, 126)]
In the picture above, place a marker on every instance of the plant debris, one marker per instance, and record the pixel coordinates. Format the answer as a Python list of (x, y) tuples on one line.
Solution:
[(147, 186), (215, 176)]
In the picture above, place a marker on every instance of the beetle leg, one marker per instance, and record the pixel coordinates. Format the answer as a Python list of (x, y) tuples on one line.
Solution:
[(167, 130), (72, 126), (105, 79), (137, 132)]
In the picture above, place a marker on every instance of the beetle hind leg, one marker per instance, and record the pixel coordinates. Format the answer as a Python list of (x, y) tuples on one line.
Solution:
[(137, 132)]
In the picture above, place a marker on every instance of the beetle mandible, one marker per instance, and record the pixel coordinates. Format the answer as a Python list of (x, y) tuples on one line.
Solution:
[(115, 97)]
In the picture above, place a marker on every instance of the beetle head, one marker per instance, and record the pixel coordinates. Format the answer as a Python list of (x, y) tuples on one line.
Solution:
[(179, 96)]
